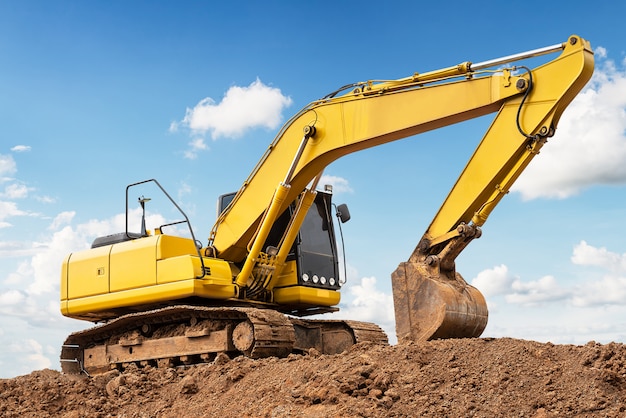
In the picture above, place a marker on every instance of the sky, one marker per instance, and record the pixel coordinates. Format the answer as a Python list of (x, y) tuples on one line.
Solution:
[(98, 95)]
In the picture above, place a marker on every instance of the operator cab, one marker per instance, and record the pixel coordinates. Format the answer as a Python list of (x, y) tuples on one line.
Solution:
[(315, 248)]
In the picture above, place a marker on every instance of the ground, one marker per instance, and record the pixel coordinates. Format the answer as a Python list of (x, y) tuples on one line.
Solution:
[(447, 378)]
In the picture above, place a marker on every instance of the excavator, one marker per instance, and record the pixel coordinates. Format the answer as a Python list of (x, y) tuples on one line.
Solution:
[(272, 259)]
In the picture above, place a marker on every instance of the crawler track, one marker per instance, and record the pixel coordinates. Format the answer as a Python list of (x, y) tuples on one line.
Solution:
[(194, 334)]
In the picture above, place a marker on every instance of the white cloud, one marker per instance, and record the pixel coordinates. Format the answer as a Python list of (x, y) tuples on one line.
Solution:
[(36, 310), (31, 356), (15, 191), (241, 109), (62, 218), (52, 253), (16, 249), (587, 255), (22, 270), (493, 282), (45, 199), (369, 303), (183, 189), (7, 165), (11, 297), (9, 209), (195, 145), (21, 148), (600, 52), (611, 290), (546, 289), (589, 147), (340, 185), (198, 144), (606, 286)]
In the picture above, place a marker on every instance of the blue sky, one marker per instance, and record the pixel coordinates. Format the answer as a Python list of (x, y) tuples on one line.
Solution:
[(97, 95)]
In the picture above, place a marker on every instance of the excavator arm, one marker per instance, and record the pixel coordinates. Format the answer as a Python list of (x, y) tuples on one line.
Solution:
[(431, 299)]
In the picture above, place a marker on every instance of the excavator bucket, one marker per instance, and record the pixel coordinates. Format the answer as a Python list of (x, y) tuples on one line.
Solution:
[(431, 304)]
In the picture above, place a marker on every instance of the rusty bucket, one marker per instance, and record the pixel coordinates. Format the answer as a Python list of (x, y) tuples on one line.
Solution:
[(431, 304)]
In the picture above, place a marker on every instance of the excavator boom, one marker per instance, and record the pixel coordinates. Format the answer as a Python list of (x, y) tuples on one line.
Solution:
[(372, 114)]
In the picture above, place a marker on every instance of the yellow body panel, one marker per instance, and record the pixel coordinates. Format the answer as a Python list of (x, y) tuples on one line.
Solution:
[(63, 287), (287, 292), (93, 269), (133, 264), (187, 267), (288, 275), (207, 288), (172, 246), (300, 295), (143, 271)]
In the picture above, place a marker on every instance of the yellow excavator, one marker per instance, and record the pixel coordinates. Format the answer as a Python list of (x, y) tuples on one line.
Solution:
[(271, 258)]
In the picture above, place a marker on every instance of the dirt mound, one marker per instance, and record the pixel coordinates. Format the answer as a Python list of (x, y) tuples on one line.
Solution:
[(447, 378)]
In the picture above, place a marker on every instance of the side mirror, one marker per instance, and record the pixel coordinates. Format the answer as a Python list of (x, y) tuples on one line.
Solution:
[(343, 213)]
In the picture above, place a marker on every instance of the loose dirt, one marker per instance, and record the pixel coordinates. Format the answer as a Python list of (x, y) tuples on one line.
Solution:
[(447, 378)]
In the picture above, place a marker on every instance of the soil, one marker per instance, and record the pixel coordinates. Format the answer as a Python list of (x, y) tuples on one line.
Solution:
[(447, 378)]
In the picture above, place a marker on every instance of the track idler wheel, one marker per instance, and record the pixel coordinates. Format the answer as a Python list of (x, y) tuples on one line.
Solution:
[(430, 304), (243, 337)]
